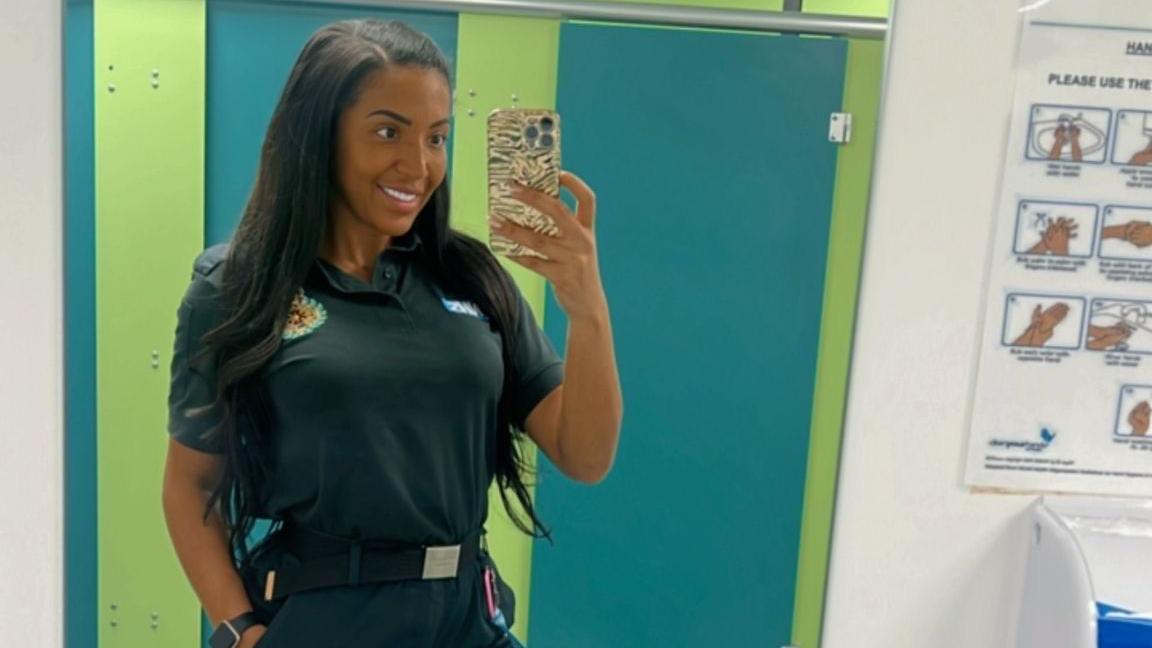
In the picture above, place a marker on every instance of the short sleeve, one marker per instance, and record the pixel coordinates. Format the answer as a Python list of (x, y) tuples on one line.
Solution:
[(193, 379), (537, 368)]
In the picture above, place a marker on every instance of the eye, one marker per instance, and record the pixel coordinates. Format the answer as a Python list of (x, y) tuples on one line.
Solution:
[(439, 140), (387, 132)]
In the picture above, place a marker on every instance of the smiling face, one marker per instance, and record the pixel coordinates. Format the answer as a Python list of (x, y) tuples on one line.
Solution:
[(390, 151)]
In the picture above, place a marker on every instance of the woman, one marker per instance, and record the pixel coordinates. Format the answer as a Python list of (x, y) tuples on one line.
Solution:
[(357, 371)]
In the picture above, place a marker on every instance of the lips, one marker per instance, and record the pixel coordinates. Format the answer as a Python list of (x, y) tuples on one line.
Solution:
[(402, 198)]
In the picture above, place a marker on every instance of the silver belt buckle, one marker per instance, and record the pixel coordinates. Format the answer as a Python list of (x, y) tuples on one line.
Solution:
[(441, 562)]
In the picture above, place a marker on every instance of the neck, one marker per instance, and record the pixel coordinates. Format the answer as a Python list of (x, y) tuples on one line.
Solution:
[(353, 246)]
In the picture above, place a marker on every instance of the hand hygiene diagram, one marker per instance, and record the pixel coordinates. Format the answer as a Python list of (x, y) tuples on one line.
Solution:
[(1127, 233), (1134, 412), (1063, 393), (1120, 326), (1069, 229), (1085, 134), (1069, 133), (1133, 138), (1043, 321), (1057, 229)]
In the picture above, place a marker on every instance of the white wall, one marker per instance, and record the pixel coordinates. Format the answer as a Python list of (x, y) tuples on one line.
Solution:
[(31, 329), (917, 561)]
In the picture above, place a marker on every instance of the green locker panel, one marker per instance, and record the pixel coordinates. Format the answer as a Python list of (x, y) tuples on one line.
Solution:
[(500, 58), (841, 291), (148, 160), (710, 157), (870, 8)]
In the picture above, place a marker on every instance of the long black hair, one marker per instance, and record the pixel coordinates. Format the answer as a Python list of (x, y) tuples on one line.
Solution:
[(278, 240)]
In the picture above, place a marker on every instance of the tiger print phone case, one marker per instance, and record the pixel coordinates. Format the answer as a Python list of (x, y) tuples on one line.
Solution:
[(523, 145)]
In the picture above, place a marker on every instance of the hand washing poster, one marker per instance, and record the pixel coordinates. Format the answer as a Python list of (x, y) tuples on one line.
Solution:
[(1063, 393)]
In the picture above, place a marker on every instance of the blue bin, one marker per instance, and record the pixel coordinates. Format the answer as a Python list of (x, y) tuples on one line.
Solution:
[(1116, 628)]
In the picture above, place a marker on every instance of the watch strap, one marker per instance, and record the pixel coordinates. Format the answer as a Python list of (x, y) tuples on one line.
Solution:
[(227, 634)]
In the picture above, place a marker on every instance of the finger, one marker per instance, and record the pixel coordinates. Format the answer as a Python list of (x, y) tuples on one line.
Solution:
[(535, 264), (545, 204), (525, 236), (585, 198)]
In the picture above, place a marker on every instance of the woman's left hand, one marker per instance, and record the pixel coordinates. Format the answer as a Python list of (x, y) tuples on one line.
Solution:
[(572, 265)]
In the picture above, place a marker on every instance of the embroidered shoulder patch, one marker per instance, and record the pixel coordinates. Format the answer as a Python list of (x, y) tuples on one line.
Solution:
[(305, 316)]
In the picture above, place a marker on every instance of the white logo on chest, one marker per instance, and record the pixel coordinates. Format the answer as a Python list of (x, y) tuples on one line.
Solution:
[(462, 307)]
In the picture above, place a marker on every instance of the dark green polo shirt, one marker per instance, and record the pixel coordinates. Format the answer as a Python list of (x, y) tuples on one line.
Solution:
[(382, 398)]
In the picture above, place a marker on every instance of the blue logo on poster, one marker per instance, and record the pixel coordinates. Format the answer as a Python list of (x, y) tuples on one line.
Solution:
[(1047, 438)]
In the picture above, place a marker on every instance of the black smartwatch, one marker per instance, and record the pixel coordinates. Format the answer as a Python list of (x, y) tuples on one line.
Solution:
[(227, 634)]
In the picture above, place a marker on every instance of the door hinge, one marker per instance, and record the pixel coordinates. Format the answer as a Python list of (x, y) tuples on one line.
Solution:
[(840, 128)]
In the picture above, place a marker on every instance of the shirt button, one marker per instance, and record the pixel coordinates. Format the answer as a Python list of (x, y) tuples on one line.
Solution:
[(388, 273)]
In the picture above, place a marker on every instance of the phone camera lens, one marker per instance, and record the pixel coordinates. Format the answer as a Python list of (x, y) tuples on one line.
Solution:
[(546, 124), (546, 141), (531, 132)]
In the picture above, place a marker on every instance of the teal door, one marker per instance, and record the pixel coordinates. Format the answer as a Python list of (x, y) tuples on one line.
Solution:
[(714, 176)]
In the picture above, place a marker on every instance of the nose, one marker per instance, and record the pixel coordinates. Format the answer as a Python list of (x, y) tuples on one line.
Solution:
[(413, 160)]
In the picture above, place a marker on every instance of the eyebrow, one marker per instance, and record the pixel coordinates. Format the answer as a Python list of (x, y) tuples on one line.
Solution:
[(402, 119)]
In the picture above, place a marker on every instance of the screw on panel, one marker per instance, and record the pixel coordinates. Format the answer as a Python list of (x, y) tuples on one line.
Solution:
[(155, 359), (111, 87), (471, 113), (113, 623), (471, 93), (515, 98)]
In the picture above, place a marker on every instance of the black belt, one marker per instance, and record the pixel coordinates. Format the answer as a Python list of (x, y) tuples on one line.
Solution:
[(330, 561)]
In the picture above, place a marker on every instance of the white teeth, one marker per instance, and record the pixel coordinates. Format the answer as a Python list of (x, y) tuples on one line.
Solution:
[(399, 195)]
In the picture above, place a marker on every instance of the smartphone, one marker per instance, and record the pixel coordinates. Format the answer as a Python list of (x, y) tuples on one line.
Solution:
[(524, 146)]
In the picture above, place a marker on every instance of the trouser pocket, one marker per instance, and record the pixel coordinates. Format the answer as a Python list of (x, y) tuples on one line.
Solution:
[(500, 600), (269, 556)]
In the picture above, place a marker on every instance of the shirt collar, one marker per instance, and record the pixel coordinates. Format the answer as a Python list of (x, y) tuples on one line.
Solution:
[(409, 242), (342, 281)]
